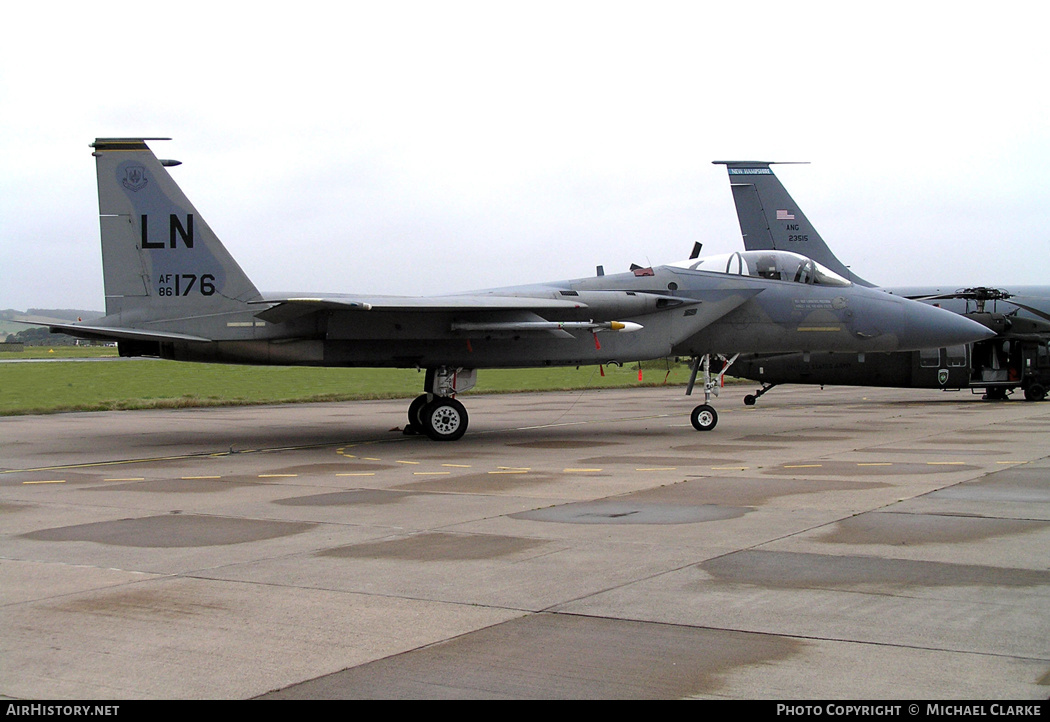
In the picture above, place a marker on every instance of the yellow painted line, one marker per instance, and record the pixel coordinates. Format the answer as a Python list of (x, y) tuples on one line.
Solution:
[(93, 464), (359, 473), (458, 466), (370, 458), (190, 478), (802, 466), (407, 462), (431, 473), (277, 476), (875, 463), (51, 481)]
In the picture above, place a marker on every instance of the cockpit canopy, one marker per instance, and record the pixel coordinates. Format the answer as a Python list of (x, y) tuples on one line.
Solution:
[(776, 265)]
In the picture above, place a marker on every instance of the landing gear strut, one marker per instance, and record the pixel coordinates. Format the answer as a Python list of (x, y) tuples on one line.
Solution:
[(437, 413), (704, 417)]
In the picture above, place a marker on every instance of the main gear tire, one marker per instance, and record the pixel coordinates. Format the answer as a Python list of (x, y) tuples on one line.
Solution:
[(444, 419)]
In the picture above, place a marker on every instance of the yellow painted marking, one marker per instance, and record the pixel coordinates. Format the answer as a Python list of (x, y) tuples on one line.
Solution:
[(407, 462), (370, 458), (802, 466), (51, 481), (277, 476), (93, 464), (458, 466), (359, 473)]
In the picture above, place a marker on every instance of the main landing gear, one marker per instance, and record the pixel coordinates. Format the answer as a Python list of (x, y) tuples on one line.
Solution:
[(704, 417), (437, 413), (1034, 392)]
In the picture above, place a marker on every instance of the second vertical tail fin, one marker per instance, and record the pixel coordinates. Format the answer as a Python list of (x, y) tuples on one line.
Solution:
[(771, 220)]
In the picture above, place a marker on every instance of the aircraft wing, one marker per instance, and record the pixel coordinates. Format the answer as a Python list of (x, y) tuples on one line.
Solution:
[(288, 308)]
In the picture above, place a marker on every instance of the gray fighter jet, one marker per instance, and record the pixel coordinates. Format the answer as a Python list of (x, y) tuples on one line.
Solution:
[(1017, 357), (173, 291)]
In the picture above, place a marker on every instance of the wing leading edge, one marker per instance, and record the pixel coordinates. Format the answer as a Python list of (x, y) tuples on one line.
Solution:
[(292, 307)]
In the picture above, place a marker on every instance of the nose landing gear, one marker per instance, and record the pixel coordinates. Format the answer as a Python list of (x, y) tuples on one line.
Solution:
[(704, 417)]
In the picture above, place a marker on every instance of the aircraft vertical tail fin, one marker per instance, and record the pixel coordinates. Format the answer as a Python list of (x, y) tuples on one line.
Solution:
[(162, 264), (771, 220)]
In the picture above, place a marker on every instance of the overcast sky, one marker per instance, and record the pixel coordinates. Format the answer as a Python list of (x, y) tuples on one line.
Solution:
[(432, 147)]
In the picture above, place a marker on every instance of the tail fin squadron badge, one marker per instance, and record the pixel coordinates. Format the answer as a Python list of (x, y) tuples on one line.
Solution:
[(135, 178)]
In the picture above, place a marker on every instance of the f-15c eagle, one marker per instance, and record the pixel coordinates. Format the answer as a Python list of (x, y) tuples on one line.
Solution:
[(174, 291)]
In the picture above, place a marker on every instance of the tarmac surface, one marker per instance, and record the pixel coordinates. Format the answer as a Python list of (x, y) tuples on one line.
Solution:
[(825, 544)]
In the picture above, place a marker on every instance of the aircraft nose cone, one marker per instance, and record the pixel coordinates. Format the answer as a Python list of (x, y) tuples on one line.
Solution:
[(932, 327)]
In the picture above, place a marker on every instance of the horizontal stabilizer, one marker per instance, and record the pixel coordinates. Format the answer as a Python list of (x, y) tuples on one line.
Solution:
[(107, 333)]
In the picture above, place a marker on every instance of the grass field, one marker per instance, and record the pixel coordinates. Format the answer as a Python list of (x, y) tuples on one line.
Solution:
[(82, 384), (62, 352)]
